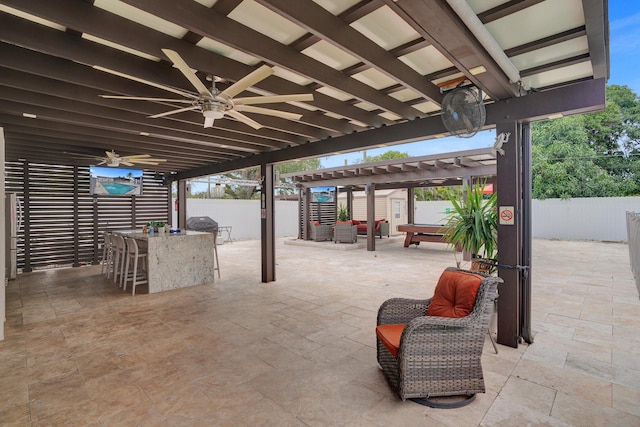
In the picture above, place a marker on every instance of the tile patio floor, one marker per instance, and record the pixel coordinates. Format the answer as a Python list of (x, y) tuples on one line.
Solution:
[(301, 351)]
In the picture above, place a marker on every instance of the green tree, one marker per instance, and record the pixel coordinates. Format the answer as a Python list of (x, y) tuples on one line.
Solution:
[(427, 194), (589, 155), (387, 155), (253, 174), (565, 169)]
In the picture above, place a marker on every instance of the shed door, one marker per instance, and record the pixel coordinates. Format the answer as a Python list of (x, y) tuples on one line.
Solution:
[(398, 214)]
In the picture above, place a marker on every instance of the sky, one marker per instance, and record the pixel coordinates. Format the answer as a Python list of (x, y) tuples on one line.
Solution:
[(624, 25)]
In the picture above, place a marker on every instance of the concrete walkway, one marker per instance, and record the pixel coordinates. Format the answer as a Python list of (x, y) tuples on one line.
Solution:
[(301, 351)]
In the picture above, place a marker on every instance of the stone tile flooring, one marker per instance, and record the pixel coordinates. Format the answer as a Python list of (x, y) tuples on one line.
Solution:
[(301, 351)]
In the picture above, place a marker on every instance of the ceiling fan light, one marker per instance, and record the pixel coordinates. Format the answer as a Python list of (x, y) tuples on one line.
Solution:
[(213, 114)]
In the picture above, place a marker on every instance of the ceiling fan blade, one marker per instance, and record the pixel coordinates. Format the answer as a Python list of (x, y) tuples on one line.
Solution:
[(110, 154), (187, 71), (143, 160), (146, 163), (244, 119), (301, 97), (122, 162), (142, 98), (103, 162), (248, 81), (179, 110), (208, 122), (147, 82), (269, 112), (138, 156)]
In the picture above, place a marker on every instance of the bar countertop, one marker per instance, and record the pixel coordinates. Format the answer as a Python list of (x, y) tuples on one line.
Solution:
[(138, 234), (176, 260)]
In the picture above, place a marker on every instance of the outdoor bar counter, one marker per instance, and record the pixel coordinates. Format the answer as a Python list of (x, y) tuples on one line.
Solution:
[(176, 260)]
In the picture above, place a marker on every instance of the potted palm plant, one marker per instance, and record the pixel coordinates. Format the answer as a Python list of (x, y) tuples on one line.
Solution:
[(343, 213), (473, 225)]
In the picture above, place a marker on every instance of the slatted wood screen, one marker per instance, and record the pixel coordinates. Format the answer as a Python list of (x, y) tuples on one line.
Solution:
[(63, 223), (325, 213)]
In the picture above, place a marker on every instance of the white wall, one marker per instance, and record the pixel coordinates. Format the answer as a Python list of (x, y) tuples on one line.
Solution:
[(244, 216), (593, 218), (432, 212), (596, 218)]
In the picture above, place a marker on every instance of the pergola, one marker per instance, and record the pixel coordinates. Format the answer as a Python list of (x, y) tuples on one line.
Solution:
[(438, 170), (377, 70)]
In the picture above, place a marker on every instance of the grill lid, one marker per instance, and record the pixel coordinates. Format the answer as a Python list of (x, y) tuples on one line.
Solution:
[(202, 223)]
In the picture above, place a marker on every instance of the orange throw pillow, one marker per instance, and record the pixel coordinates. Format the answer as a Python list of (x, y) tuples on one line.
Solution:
[(455, 294)]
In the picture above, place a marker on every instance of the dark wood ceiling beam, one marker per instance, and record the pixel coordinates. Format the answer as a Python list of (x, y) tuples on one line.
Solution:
[(78, 112), (192, 121), (506, 9), (547, 41), (21, 146), (409, 47), (84, 78), (555, 65), (225, 7), (442, 73), (571, 99), (438, 24), (332, 29), (360, 10), (596, 17), (106, 140), (62, 117), (56, 43), (209, 23)]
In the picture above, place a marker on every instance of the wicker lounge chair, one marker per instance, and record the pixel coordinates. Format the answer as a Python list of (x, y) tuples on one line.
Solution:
[(435, 355), (320, 232)]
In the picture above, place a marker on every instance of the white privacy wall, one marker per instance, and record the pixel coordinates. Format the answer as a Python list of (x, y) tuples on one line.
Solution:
[(597, 218), (244, 216), (432, 212), (593, 218)]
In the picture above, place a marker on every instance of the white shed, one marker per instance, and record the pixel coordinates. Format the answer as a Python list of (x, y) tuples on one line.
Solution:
[(391, 205)]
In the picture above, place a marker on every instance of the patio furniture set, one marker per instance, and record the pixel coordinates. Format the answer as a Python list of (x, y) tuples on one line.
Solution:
[(346, 231)]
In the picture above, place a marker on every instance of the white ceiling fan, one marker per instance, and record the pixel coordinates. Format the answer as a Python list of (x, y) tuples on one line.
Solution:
[(215, 104)]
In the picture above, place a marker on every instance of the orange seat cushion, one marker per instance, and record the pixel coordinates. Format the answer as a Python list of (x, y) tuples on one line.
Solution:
[(455, 294), (389, 335)]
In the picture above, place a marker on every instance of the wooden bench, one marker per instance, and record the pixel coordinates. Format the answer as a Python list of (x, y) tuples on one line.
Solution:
[(417, 233)]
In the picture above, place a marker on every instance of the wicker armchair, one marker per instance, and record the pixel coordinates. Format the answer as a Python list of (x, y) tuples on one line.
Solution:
[(345, 233), (320, 232), (437, 356)]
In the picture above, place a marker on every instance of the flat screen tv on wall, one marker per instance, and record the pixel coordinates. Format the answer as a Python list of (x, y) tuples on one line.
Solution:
[(323, 194), (108, 181)]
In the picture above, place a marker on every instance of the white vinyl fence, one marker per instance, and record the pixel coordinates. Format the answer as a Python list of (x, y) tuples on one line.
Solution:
[(243, 216), (596, 218), (593, 218), (633, 231)]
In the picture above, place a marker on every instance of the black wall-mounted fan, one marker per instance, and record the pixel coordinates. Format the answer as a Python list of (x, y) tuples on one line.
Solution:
[(463, 112)]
